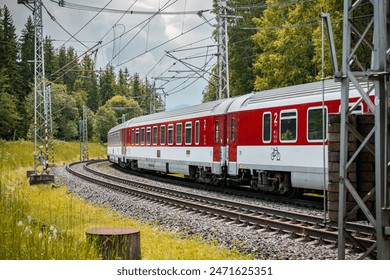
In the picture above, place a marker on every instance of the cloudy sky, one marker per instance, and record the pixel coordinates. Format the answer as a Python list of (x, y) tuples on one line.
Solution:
[(166, 47)]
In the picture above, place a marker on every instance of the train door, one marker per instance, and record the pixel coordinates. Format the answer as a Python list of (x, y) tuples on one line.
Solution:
[(231, 139), (219, 145), (123, 144), (216, 140)]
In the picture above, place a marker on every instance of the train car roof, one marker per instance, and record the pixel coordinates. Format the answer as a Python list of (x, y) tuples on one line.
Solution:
[(210, 108), (310, 92), (118, 127)]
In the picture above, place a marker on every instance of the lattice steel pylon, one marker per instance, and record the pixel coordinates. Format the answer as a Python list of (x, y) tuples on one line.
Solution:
[(223, 57), (376, 37), (43, 138)]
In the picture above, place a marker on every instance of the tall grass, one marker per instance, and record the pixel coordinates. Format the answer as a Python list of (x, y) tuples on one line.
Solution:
[(42, 222)]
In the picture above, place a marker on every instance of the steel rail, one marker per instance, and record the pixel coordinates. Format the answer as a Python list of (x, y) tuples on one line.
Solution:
[(295, 224)]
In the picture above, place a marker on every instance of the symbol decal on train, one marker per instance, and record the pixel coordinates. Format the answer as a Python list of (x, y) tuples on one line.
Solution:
[(275, 154)]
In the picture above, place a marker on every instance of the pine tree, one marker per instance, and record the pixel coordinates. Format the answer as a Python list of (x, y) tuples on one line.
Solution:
[(51, 59), (71, 71), (9, 116), (107, 84), (27, 41), (87, 82), (9, 52), (9, 56), (135, 86)]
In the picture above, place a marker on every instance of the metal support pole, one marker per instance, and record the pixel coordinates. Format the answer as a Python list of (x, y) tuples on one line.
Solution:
[(223, 57), (43, 139), (376, 37), (380, 78)]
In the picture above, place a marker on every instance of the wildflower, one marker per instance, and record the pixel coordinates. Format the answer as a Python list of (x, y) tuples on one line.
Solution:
[(29, 219), (40, 235), (20, 224), (51, 228), (55, 234), (27, 230)]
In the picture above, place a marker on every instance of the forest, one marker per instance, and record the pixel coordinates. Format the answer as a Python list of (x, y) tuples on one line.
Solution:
[(272, 43), (108, 95)]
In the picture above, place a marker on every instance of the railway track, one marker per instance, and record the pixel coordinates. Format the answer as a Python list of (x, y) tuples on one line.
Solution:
[(303, 201), (300, 226)]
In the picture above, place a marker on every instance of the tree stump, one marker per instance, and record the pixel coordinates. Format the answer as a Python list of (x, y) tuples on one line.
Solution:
[(116, 243)]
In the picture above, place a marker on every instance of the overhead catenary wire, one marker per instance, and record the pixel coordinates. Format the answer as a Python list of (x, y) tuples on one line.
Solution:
[(148, 49), (147, 24), (70, 5), (162, 44), (193, 69), (146, 21), (124, 13), (55, 20), (175, 50), (88, 21)]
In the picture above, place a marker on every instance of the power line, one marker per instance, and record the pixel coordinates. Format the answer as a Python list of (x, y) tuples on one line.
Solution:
[(164, 43), (88, 21), (54, 19), (74, 6), (146, 20)]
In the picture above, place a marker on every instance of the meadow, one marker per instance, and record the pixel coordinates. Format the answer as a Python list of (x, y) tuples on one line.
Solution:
[(43, 222)]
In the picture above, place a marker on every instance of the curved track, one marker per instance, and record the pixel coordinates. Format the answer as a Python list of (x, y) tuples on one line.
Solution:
[(303, 227)]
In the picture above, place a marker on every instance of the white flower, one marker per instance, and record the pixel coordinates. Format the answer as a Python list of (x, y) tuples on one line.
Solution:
[(20, 224), (27, 230), (51, 228), (54, 234), (29, 219), (40, 234)]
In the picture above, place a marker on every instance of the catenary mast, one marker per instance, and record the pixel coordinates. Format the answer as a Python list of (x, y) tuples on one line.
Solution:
[(376, 37), (43, 140)]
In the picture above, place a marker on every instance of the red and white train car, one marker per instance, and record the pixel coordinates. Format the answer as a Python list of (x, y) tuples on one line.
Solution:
[(272, 140), (188, 141)]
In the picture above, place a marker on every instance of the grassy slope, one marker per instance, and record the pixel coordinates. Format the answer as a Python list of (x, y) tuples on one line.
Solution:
[(41, 222)]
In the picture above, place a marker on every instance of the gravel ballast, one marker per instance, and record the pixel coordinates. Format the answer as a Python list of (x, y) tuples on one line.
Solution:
[(260, 243)]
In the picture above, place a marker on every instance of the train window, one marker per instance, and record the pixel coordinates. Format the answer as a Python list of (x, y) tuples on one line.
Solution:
[(316, 125), (233, 130), (143, 136), (162, 135), (132, 136), (179, 133), (154, 135), (148, 132), (170, 134), (137, 136), (357, 110), (188, 133), (288, 126), (267, 127), (216, 136), (197, 132)]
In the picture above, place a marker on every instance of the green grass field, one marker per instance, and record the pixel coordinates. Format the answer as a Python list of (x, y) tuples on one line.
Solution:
[(41, 222)]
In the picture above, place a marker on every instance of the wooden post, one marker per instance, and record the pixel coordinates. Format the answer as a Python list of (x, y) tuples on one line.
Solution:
[(116, 243)]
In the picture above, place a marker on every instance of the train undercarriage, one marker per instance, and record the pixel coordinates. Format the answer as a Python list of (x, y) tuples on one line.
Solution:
[(276, 182)]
